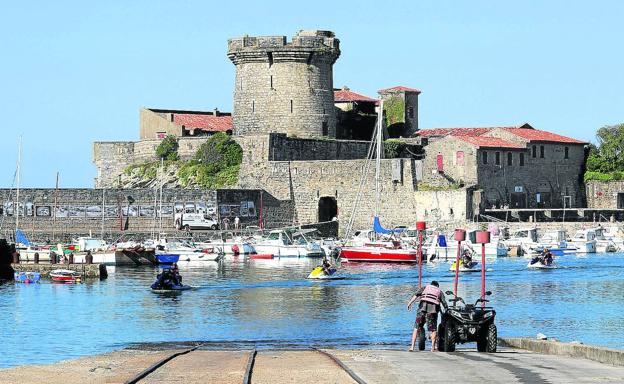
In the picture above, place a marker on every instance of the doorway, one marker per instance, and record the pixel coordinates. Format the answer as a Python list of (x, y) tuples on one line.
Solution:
[(327, 208), (518, 200)]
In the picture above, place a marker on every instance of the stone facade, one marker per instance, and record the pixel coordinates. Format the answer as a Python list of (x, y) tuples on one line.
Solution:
[(506, 179), (285, 87), (605, 194), (409, 96)]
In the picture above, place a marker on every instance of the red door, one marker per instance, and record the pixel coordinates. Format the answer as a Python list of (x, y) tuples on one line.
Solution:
[(440, 162)]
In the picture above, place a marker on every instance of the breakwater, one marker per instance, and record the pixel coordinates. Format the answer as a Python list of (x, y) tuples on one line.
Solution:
[(87, 270)]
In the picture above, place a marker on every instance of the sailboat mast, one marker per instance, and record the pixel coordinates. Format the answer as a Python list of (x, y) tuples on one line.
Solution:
[(19, 171), (379, 143)]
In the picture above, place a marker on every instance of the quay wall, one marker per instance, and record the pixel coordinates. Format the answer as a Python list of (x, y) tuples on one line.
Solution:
[(87, 270)]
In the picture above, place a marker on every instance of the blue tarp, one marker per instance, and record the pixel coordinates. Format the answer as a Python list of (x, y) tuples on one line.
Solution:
[(379, 229), (20, 237)]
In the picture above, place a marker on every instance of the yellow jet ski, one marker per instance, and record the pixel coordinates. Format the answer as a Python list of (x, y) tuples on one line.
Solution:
[(473, 266), (319, 274)]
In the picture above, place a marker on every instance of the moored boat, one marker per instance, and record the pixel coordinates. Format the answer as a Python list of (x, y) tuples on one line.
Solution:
[(65, 276), (378, 254)]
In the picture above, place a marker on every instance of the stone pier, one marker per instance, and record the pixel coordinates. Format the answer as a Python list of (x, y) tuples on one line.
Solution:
[(87, 270)]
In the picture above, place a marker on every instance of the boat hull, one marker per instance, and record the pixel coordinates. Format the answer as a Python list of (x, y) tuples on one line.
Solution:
[(380, 255)]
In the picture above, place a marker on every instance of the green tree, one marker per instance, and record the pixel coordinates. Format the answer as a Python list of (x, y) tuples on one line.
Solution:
[(168, 148)]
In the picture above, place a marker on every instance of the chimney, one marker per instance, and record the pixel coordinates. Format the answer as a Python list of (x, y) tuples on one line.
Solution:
[(216, 111)]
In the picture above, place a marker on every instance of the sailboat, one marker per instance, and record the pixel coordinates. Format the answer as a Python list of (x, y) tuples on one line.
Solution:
[(377, 250)]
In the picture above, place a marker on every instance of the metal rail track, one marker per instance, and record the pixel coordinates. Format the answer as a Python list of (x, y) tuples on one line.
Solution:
[(250, 364), (336, 360), (159, 364)]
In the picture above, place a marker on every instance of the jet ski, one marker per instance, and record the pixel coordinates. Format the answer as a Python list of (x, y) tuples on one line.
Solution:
[(169, 280), (319, 274), (473, 266), (536, 263)]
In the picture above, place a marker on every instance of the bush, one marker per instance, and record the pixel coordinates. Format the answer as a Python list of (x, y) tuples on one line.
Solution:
[(393, 148), (168, 148), (215, 165)]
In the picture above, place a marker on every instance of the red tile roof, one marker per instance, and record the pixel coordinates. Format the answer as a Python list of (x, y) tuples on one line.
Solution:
[(399, 88), (345, 95), (490, 142), (538, 135), (429, 132), (205, 122)]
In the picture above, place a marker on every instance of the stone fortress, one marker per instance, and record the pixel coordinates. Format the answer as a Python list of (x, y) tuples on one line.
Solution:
[(305, 145)]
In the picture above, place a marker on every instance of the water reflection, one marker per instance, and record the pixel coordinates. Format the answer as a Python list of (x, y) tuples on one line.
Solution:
[(269, 302)]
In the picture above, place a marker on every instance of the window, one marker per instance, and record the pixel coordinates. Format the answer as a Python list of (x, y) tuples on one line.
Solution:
[(253, 106), (541, 151), (271, 81), (459, 158), (509, 158), (325, 128), (522, 159), (291, 106), (497, 158), (484, 157), (535, 151), (410, 112), (566, 153)]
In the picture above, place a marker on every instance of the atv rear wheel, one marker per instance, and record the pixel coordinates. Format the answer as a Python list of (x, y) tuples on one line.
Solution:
[(440, 340), (421, 339), (492, 338), (449, 338)]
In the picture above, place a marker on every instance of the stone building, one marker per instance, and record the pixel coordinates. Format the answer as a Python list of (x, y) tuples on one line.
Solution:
[(401, 110), (160, 123), (285, 87), (516, 167), (605, 194)]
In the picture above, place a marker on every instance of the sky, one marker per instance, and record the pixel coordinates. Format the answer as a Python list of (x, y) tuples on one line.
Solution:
[(75, 72)]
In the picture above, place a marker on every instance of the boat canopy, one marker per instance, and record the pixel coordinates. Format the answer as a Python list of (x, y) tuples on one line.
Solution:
[(20, 237), (379, 229)]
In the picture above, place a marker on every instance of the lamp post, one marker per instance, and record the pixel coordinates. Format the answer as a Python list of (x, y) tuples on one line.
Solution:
[(460, 235), (420, 226), (483, 237)]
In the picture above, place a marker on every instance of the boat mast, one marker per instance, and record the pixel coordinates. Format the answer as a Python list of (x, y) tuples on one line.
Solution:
[(19, 165), (162, 172), (379, 143)]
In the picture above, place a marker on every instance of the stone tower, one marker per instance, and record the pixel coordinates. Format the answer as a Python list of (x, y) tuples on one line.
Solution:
[(285, 87)]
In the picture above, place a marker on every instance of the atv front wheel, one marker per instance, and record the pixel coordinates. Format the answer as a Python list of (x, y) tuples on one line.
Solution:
[(449, 338), (492, 338)]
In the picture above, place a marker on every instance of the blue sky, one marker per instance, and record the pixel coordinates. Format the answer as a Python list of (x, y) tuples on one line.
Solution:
[(76, 72)]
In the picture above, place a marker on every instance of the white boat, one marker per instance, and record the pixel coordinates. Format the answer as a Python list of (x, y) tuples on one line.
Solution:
[(556, 242), (289, 243), (189, 251), (446, 249), (585, 241), (603, 243)]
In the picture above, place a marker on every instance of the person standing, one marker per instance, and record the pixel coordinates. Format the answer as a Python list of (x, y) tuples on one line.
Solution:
[(236, 223), (431, 297)]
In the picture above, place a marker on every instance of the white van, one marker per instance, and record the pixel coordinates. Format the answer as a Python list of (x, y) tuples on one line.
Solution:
[(195, 221)]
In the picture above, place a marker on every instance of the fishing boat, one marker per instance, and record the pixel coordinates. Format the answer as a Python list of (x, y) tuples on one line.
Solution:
[(65, 276), (289, 243), (585, 241), (377, 249)]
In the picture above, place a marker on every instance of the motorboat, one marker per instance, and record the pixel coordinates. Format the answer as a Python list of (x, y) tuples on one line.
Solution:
[(379, 254), (188, 251), (289, 243), (556, 242), (27, 277), (65, 276), (585, 241), (603, 243), (442, 247)]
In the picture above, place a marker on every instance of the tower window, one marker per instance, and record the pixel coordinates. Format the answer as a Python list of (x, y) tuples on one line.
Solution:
[(325, 128), (534, 151), (509, 158), (253, 106), (541, 151), (484, 157), (410, 112), (291, 106), (271, 81), (522, 159), (497, 158), (270, 55), (566, 153)]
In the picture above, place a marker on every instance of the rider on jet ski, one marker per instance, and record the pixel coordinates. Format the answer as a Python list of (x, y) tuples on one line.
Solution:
[(168, 278), (466, 258), (546, 258), (326, 266)]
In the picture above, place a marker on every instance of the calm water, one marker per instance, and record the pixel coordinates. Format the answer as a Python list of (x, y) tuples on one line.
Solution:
[(266, 302)]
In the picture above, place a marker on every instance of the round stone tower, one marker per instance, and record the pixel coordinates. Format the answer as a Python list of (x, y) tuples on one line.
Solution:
[(285, 87)]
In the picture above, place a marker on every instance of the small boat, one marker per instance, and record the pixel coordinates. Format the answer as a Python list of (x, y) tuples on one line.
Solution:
[(27, 277), (540, 265), (319, 274), (473, 266), (65, 276)]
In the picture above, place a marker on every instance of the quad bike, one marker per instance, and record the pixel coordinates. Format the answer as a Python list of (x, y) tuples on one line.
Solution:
[(467, 323)]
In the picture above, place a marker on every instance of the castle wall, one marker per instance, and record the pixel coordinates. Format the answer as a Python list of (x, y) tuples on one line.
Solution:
[(284, 87), (605, 194), (284, 148)]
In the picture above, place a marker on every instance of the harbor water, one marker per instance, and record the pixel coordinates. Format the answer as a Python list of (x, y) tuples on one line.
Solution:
[(239, 302)]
